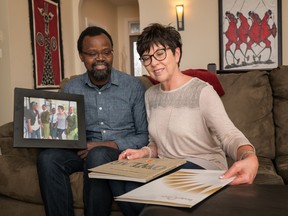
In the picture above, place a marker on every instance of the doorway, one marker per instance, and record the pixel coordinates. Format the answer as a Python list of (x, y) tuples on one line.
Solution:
[(135, 64)]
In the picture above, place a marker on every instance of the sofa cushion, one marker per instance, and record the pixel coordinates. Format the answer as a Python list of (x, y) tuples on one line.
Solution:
[(145, 80), (6, 144), (76, 180), (202, 74), (248, 102), (267, 173), (13, 207), (206, 76), (17, 170), (6, 130), (282, 167), (19, 179), (279, 84)]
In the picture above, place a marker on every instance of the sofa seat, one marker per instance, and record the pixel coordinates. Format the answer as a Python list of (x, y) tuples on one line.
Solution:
[(19, 186)]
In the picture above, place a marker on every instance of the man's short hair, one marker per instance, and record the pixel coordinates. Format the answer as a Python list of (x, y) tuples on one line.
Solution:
[(91, 31)]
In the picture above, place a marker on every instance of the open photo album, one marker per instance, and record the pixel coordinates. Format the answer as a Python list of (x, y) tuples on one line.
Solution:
[(183, 188)]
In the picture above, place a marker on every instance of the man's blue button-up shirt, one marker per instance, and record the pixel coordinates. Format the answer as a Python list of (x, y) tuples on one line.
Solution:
[(115, 112)]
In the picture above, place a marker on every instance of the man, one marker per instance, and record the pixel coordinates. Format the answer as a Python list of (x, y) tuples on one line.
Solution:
[(53, 123), (33, 121), (115, 120), (71, 129), (45, 115)]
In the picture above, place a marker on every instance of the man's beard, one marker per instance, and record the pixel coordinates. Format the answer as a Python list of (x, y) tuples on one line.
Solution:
[(100, 75)]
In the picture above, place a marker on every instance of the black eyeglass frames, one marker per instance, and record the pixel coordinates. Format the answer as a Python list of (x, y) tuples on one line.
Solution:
[(159, 55)]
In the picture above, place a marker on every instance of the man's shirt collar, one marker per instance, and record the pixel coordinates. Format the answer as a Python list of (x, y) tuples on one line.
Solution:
[(114, 80)]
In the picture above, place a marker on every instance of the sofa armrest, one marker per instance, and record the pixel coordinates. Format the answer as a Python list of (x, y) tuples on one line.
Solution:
[(6, 144), (6, 138), (6, 130)]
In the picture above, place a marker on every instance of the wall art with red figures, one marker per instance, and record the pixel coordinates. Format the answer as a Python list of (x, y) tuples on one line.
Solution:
[(250, 34)]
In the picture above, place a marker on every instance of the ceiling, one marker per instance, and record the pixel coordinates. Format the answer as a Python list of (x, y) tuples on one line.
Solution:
[(124, 2)]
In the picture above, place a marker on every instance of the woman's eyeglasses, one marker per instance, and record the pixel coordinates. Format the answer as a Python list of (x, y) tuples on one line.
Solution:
[(159, 55)]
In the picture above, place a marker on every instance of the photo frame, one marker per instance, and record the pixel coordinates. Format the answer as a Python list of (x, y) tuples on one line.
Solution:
[(250, 34), (44, 119), (47, 50)]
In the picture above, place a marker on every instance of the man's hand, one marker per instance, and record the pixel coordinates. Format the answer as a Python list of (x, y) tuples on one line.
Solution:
[(82, 153), (90, 145)]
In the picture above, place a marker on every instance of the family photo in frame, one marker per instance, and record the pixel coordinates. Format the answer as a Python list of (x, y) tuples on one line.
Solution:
[(45, 27), (48, 119), (250, 34)]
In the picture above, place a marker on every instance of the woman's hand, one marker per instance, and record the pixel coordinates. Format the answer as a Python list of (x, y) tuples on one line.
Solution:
[(133, 154), (245, 170)]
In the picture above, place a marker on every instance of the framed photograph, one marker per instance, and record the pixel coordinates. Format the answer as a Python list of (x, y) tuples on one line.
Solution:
[(250, 34), (45, 27), (45, 119)]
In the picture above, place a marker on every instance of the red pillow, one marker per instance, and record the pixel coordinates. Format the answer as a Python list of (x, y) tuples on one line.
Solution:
[(202, 74)]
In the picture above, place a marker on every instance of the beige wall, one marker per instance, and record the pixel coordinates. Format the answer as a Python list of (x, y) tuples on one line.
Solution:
[(94, 12), (200, 38), (6, 96), (70, 33), (125, 15), (16, 65)]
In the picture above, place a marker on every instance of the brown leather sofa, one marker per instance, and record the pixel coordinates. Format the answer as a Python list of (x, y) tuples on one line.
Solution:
[(256, 101)]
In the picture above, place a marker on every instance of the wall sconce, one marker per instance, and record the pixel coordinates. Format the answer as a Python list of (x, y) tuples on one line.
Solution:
[(180, 17)]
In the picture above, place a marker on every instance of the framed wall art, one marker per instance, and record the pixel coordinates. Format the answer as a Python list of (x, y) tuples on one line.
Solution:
[(46, 119), (45, 26), (250, 34)]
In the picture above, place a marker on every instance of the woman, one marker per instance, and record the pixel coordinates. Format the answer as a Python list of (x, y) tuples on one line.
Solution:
[(186, 116), (61, 122)]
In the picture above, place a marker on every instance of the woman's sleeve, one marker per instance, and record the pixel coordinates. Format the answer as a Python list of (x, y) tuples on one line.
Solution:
[(219, 123)]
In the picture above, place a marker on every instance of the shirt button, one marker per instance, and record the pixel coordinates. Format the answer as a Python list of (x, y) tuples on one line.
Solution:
[(101, 123), (100, 108), (99, 93), (104, 131)]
